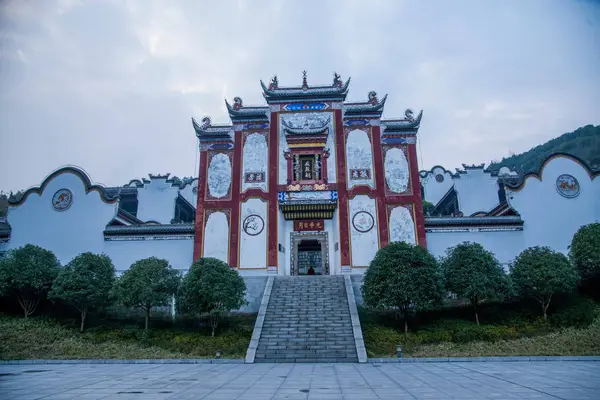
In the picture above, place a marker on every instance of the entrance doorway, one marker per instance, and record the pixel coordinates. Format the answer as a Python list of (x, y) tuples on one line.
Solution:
[(310, 254), (310, 259)]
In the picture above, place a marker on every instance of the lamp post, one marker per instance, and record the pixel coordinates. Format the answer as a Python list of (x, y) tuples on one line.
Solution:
[(399, 351)]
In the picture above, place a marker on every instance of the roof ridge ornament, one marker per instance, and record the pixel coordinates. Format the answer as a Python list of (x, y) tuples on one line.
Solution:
[(304, 82), (237, 103), (373, 97), (274, 83), (206, 122), (409, 115), (337, 80)]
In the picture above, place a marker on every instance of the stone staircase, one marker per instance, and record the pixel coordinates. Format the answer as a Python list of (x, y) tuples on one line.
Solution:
[(307, 320)]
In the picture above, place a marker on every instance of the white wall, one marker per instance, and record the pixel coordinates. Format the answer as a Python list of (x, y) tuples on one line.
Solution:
[(123, 253), (253, 247), (505, 245), (283, 239), (477, 191), (551, 219), (156, 201), (188, 192), (359, 155), (363, 245), (216, 237), (66, 233), (434, 190)]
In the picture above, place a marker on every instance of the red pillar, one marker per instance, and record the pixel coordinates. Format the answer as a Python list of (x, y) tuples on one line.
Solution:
[(199, 223), (416, 189), (340, 155)]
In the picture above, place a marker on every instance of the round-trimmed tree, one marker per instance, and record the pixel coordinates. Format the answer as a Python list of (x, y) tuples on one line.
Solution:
[(471, 272), (148, 283), (540, 272), (212, 287), (27, 273), (584, 250), (404, 278), (85, 282)]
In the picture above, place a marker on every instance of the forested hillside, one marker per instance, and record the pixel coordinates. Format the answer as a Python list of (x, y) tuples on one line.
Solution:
[(583, 143)]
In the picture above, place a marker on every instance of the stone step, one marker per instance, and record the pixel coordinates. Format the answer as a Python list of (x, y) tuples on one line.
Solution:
[(307, 320)]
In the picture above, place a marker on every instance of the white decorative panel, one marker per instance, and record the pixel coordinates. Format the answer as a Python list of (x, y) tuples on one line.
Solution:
[(219, 176), (253, 234), (255, 160), (402, 227), (216, 236), (359, 156), (307, 120), (364, 238), (396, 170)]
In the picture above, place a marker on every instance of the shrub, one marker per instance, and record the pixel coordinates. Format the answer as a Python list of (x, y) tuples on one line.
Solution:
[(146, 284), (212, 287), (585, 250), (403, 277), (540, 272), (473, 273), (27, 273), (85, 282), (579, 312)]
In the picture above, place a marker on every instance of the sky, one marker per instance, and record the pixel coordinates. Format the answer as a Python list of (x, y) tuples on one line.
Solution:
[(111, 85)]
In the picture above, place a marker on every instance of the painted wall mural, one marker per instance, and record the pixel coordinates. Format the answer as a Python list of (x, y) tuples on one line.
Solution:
[(219, 176), (253, 234), (364, 238), (359, 156), (255, 160), (216, 236), (396, 170), (309, 120), (401, 225)]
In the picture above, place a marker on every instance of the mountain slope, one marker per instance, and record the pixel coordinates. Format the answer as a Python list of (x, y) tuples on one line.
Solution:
[(584, 143)]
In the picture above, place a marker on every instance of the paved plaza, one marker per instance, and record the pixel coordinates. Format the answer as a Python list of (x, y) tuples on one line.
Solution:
[(468, 380)]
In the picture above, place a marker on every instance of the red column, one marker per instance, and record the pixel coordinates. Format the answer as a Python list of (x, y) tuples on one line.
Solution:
[(342, 189), (236, 181), (416, 189), (272, 205), (379, 176), (199, 223)]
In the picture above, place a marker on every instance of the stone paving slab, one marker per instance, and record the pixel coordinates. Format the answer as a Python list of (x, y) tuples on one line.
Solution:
[(569, 380)]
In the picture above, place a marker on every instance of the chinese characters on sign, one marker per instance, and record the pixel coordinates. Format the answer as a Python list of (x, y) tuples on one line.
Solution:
[(307, 165), (309, 225), (250, 177), (360, 174)]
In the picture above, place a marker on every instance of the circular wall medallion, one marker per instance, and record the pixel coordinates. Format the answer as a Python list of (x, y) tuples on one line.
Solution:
[(439, 178), (363, 222), (253, 224), (567, 185), (62, 199)]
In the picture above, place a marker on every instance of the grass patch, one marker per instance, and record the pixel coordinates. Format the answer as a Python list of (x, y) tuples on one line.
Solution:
[(46, 338), (511, 330)]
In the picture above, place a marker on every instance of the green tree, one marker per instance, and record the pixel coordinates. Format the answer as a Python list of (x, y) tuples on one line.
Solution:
[(403, 277), (85, 282), (212, 287), (540, 272), (585, 250), (148, 283), (471, 272), (27, 273), (428, 207)]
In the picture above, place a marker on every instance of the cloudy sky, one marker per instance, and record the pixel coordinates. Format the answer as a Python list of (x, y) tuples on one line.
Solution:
[(111, 85)]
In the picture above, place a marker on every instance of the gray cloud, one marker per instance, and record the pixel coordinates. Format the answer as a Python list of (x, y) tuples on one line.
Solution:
[(111, 85)]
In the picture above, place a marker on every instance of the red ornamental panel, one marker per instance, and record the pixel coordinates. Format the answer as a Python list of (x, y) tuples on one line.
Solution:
[(309, 225)]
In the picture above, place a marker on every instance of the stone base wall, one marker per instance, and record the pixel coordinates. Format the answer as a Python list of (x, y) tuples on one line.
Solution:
[(255, 287), (356, 286)]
